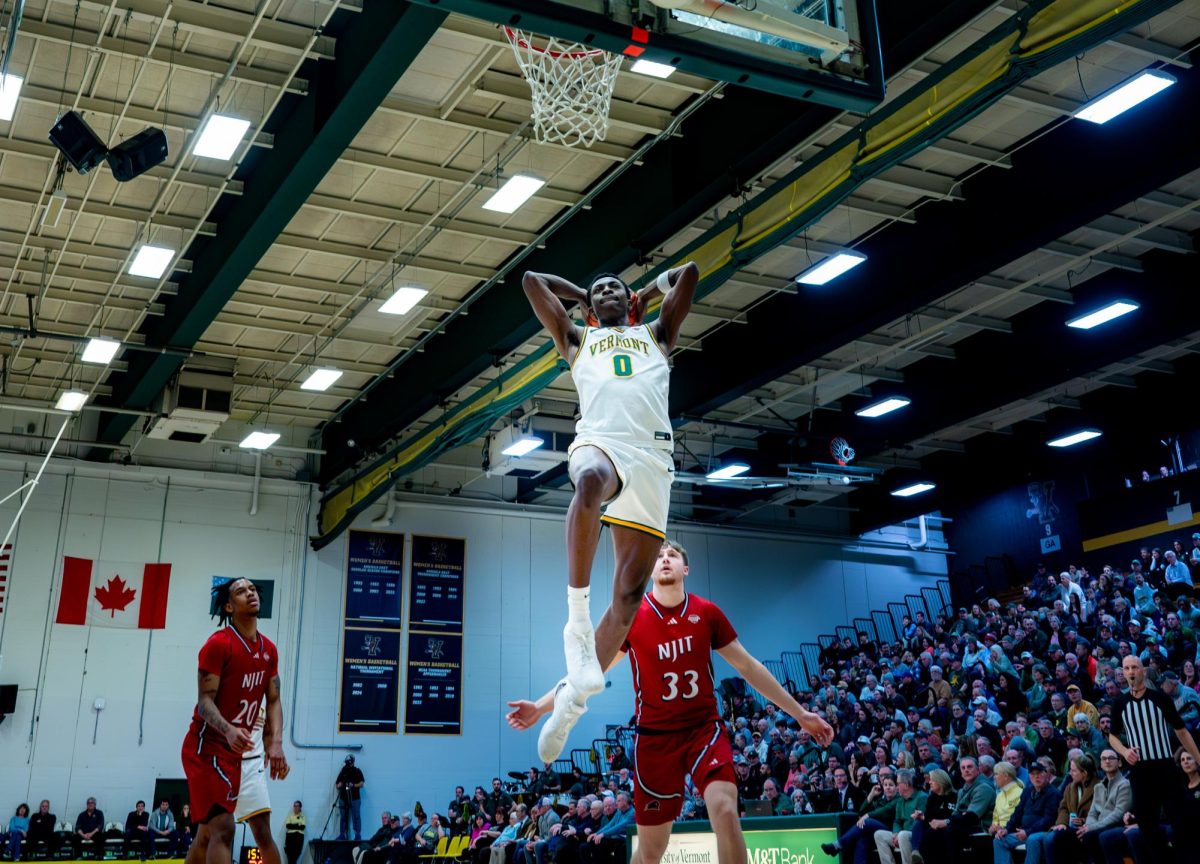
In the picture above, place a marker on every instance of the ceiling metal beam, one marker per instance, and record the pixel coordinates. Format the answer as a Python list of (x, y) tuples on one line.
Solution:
[(373, 51), (63, 35)]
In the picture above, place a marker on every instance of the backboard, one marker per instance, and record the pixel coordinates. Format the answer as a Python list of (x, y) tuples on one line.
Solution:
[(824, 51)]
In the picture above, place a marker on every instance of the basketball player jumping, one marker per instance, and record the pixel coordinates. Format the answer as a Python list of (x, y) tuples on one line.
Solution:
[(678, 729), (620, 461), (238, 667)]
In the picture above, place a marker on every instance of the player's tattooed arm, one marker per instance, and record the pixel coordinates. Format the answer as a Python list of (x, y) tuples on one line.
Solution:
[(206, 704)]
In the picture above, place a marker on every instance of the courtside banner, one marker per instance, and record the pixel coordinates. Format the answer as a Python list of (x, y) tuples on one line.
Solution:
[(435, 602), (113, 594), (370, 680), (694, 842), (374, 579)]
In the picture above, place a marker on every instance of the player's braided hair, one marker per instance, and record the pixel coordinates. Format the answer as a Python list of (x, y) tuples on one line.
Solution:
[(220, 596)]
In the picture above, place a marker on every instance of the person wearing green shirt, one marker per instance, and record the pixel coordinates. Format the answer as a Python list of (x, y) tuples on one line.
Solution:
[(898, 813)]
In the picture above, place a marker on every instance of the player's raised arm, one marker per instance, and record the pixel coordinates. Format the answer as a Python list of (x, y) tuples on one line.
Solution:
[(273, 732), (239, 739), (757, 676), (547, 295), (678, 292)]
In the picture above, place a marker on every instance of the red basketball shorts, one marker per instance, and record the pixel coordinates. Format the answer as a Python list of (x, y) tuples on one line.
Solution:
[(213, 778), (661, 761)]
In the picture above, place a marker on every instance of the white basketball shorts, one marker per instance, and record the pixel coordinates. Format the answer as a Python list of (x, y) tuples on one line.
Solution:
[(646, 474), (252, 797)]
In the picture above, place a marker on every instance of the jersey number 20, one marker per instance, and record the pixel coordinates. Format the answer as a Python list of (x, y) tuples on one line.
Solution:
[(691, 685), (247, 713)]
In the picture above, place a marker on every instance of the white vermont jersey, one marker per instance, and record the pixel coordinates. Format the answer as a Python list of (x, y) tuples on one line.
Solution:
[(622, 377)]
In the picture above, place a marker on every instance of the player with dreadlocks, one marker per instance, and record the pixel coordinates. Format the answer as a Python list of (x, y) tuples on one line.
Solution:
[(238, 667)]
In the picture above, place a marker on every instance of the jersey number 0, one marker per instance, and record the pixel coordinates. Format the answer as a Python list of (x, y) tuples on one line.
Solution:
[(622, 365), (691, 685)]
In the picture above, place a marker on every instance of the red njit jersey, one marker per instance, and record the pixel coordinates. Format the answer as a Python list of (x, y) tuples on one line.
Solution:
[(245, 670), (670, 652)]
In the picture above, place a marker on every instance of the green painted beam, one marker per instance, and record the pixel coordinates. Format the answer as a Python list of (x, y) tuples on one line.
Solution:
[(372, 53)]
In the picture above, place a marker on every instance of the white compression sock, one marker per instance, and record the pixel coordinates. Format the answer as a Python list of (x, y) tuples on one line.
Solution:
[(579, 610)]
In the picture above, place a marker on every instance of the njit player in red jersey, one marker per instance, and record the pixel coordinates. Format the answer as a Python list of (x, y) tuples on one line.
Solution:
[(238, 668), (679, 731)]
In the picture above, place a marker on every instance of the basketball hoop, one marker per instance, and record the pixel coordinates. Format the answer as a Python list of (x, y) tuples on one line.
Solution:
[(572, 87)]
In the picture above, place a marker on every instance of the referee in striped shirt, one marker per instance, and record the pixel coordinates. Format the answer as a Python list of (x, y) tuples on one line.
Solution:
[(1151, 724)]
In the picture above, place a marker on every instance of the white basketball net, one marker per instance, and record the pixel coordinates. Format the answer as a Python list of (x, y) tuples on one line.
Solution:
[(572, 87)]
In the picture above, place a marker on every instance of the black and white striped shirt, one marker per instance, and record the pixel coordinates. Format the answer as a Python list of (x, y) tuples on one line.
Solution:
[(1148, 723)]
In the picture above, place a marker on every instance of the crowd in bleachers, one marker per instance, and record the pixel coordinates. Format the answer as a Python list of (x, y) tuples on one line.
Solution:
[(986, 726), (144, 834), (989, 722)]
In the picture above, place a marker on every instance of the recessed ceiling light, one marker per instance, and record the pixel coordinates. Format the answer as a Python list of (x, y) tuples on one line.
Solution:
[(220, 137), (151, 261), (523, 445), (1124, 96), (516, 191), (100, 351), (1075, 438), (10, 89), (321, 379), (403, 300), (885, 406), (728, 472), (914, 489), (259, 440), (1103, 315), (71, 400), (654, 70), (831, 268)]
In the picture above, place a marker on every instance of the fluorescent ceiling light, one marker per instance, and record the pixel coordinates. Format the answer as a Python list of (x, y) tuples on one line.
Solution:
[(1103, 315), (10, 88), (403, 300), (516, 191), (728, 472), (886, 406), (259, 440), (321, 379), (151, 261), (101, 351), (1075, 438), (654, 70), (524, 444), (220, 137), (831, 268), (914, 489), (71, 400), (1124, 96)]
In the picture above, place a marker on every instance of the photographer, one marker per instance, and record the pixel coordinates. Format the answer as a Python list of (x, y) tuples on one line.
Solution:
[(349, 785)]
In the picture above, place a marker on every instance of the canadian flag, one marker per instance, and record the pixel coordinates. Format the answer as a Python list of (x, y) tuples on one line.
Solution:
[(113, 594)]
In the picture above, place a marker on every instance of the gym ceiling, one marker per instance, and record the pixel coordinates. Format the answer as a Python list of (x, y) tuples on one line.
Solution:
[(379, 128)]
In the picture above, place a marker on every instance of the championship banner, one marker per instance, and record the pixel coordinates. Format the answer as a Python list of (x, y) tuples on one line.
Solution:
[(436, 590), (370, 680), (370, 673), (433, 704), (374, 579)]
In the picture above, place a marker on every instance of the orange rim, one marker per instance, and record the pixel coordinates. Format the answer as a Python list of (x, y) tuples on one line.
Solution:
[(515, 38)]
